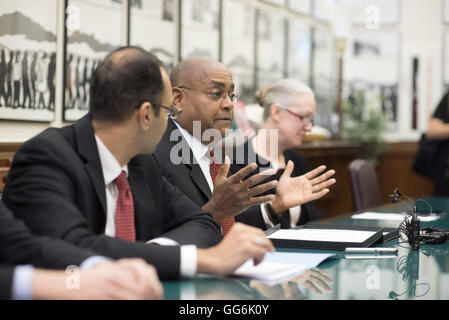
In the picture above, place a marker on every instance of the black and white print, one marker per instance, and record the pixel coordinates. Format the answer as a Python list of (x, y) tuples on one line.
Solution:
[(155, 18), (88, 42), (27, 60)]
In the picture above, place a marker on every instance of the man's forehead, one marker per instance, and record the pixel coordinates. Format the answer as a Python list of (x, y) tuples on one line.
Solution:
[(217, 78)]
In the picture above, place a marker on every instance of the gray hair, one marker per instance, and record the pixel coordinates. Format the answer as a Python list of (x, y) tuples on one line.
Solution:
[(283, 92)]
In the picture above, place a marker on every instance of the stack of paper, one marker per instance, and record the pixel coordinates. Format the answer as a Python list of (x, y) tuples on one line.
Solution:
[(280, 266)]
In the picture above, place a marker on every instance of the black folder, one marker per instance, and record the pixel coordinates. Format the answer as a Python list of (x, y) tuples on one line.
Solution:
[(325, 245)]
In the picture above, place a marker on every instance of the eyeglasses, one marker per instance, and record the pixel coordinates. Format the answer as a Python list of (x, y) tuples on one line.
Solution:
[(216, 95), (304, 119), (173, 112)]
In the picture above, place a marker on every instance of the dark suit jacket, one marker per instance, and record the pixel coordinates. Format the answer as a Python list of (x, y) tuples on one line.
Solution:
[(188, 177), (56, 186), (19, 246)]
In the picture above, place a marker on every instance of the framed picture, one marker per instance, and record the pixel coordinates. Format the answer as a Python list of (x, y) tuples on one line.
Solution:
[(238, 46), (279, 3), (299, 50), (300, 6), (376, 13), (200, 29), (153, 28), (446, 62), (323, 78), (446, 11), (270, 49), (28, 60), (87, 43), (372, 75)]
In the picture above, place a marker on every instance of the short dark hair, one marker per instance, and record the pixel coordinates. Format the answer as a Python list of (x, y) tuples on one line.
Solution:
[(125, 79)]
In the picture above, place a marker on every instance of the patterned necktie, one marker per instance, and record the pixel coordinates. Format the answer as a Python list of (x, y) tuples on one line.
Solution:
[(124, 212), (214, 168)]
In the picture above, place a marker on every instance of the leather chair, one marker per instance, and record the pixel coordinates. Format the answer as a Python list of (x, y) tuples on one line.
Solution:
[(365, 185)]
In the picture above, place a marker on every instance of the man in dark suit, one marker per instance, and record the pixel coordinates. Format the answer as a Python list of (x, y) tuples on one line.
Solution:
[(19, 249), (90, 184), (204, 91)]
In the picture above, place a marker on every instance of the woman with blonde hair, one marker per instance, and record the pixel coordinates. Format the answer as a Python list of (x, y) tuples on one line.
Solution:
[(289, 107)]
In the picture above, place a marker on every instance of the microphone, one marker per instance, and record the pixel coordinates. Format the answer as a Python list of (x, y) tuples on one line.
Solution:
[(410, 228)]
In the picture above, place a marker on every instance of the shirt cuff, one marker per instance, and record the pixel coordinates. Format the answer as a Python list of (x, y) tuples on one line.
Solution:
[(189, 261), (265, 217), (92, 261), (163, 242), (22, 283)]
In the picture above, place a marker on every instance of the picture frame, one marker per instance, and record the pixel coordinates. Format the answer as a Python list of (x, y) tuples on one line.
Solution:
[(28, 48), (200, 29), (86, 44), (160, 15), (239, 45)]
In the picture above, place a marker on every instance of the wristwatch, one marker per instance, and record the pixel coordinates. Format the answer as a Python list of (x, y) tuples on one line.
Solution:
[(271, 213)]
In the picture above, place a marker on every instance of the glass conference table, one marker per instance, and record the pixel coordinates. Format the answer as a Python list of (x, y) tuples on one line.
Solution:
[(422, 274)]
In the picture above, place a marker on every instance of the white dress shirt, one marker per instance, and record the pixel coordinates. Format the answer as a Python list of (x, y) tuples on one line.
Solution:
[(111, 170)]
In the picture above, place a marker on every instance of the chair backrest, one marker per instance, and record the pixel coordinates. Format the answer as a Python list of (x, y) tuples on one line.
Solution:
[(365, 185)]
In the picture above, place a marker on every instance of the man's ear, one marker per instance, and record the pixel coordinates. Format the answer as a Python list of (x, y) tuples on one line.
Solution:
[(178, 94), (145, 114)]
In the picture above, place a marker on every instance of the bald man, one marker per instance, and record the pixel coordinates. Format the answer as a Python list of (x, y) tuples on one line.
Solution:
[(203, 90), (92, 185)]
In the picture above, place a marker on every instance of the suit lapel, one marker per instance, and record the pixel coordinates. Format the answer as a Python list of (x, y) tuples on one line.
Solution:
[(87, 148), (195, 170)]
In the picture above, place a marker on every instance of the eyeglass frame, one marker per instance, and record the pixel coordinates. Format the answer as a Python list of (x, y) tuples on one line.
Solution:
[(173, 112), (232, 96), (304, 119)]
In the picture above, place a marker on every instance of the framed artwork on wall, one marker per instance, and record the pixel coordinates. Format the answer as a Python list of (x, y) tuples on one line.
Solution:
[(299, 50), (28, 60), (372, 76), (200, 29), (153, 27), (323, 78), (87, 43), (270, 50), (238, 46)]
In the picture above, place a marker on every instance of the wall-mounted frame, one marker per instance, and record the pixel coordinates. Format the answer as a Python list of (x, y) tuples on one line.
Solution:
[(153, 27), (28, 60), (374, 71), (300, 6), (446, 11), (270, 47), (86, 43), (238, 46), (200, 29), (378, 13), (446, 61), (323, 78), (299, 50)]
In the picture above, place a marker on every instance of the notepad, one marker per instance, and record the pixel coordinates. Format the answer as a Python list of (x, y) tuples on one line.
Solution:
[(328, 235), (390, 216), (280, 266)]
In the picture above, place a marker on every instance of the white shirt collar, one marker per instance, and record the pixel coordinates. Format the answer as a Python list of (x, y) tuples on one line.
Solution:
[(109, 164), (199, 150)]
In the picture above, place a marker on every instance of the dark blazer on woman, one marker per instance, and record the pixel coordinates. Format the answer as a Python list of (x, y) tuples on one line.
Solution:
[(56, 186)]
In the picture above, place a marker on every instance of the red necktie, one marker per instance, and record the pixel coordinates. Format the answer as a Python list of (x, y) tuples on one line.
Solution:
[(124, 212), (214, 168)]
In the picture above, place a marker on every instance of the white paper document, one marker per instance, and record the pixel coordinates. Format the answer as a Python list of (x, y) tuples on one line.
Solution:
[(280, 266), (390, 216), (328, 235)]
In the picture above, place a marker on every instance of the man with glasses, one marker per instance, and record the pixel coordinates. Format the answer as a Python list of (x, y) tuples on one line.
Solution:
[(92, 184), (203, 91)]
